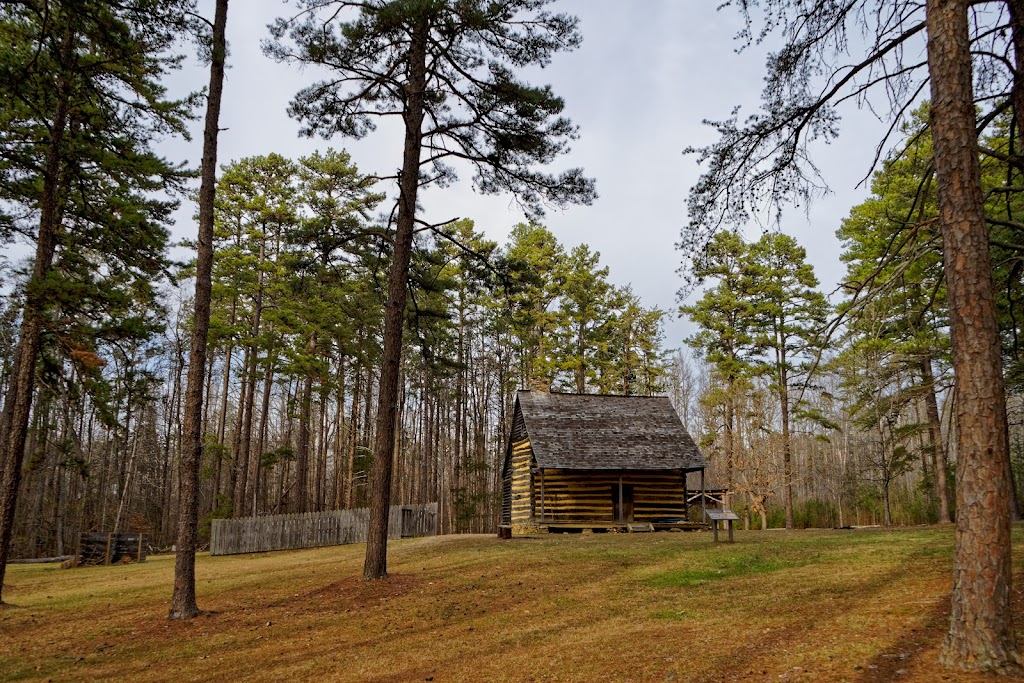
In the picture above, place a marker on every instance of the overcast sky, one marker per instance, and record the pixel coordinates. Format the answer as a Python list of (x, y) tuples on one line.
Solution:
[(646, 76)]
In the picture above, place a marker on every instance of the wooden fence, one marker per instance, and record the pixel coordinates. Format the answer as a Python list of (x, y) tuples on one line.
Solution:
[(316, 529)]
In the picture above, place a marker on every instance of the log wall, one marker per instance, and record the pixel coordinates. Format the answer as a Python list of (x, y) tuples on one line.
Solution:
[(575, 495), (521, 491)]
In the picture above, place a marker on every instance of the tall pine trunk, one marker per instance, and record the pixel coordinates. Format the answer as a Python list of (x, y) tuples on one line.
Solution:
[(183, 599), (981, 632), (375, 565)]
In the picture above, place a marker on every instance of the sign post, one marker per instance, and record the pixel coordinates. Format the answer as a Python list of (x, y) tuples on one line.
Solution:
[(722, 515)]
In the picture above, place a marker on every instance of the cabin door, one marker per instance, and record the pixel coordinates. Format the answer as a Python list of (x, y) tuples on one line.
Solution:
[(622, 503)]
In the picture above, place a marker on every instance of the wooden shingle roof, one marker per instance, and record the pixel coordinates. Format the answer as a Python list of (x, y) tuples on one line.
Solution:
[(575, 431)]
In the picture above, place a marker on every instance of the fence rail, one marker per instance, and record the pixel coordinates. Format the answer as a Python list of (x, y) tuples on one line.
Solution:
[(316, 529)]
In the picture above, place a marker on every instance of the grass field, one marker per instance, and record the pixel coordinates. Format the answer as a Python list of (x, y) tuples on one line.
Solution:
[(866, 605)]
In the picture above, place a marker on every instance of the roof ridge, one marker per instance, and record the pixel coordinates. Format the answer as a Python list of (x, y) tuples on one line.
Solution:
[(560, 393)]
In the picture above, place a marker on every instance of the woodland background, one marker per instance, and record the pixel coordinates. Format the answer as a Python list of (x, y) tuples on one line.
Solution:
[(846, 404)]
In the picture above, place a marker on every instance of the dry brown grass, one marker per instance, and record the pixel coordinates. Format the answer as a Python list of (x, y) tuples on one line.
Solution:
[(801, 606)]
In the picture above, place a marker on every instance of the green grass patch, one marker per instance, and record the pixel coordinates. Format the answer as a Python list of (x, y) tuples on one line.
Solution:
[(724, 567)]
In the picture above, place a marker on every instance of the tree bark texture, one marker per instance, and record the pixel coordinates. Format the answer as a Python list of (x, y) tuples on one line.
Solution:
[(375, 565), (981, 627), (183, 599)]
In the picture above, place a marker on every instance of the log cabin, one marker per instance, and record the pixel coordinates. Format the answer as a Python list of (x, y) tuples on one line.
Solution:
[(576, 461)]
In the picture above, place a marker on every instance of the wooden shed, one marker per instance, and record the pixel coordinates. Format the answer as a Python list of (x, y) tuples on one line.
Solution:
[(578, 461)]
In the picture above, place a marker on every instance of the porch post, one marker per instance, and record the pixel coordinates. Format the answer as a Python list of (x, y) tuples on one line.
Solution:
[(686, 503), (703, 497)]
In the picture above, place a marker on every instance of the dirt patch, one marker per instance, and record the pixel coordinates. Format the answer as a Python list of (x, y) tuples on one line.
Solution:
[(353, 593)]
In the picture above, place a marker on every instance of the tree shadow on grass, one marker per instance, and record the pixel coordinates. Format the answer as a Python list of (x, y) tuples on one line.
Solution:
[(914, 656), (750, 662)]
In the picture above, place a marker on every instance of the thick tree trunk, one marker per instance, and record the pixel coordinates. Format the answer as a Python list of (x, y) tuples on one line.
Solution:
[(183, 599), (981, 632), (457, 448), (375, 566), (429, 460), (18, 401)]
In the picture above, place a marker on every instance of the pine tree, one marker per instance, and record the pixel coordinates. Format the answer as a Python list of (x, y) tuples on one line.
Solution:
[(894, 279), (766, 161), (535, 277), (789, 318), (443, 67), (725, 317), (584, 306), (183, 599), (81, 101)]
